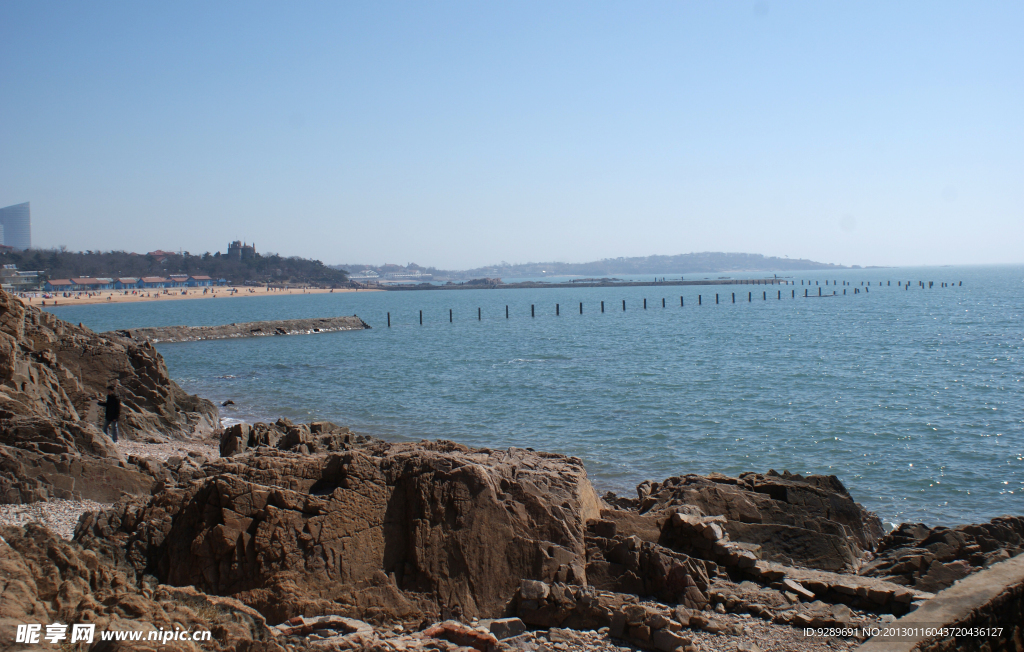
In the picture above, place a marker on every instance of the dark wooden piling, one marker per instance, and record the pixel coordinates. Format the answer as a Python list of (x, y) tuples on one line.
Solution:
[(819, 291), (663, 303), (389, 320), (750, 297), (680, 302), (645, 304), (449, 315), (479, 315), (698, 299), (532, 311), (581, 307), (716, 298), (421, 317), (734, 297), (805, 293), (557, 310), (765, 297), (623, 305), (602, 306), (506, 312)]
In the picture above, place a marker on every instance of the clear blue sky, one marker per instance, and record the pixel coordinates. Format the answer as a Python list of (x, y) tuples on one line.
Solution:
[(462, 134)]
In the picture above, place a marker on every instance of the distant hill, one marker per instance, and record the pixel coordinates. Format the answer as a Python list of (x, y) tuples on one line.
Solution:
[(696, 263)]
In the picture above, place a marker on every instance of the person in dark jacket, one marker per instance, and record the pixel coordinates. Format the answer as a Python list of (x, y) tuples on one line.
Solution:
[(112, 413)]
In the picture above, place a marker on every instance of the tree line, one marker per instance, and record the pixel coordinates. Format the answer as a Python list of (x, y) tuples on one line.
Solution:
[(262, 269)]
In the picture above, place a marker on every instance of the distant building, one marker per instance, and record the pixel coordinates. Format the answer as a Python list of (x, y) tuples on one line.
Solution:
[(364, 275), (127, 283), (14, 281), (152, 282), (89, 284), (59, 285), (241, 251), (16, 222), (199, 281)]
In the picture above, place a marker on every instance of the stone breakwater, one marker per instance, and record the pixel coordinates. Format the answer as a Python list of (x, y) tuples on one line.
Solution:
[(247, 329)]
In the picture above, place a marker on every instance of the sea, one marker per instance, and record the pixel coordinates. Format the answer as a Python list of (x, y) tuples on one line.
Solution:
[(912, 396)]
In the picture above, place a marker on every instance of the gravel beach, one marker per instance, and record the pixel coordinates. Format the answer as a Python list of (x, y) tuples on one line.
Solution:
[(61, 516)]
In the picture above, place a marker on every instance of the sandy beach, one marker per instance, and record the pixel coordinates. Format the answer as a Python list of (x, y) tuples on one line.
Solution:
[(176, 294)]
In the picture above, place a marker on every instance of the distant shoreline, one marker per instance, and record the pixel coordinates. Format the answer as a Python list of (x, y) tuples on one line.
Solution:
[(595, 284), (182, 294)]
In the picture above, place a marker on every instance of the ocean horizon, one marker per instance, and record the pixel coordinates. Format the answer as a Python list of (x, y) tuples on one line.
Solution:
[(912, 397)]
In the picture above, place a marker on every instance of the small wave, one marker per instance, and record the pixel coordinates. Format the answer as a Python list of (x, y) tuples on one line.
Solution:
[(227, 422), (228, 377)]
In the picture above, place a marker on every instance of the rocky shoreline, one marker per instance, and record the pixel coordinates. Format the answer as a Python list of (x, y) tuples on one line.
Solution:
[(283, 536)]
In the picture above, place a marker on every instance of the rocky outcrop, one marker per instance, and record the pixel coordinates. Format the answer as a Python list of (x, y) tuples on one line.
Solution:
[(247, 329), (810, 521), (48, 580), (377, 531), (931, 559), (283, 435), (51, 375)]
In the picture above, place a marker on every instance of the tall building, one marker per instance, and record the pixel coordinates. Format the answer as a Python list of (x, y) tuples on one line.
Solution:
[(17, 226)]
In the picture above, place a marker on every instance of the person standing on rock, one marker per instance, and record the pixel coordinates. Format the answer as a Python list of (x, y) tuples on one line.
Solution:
[(112, 413)]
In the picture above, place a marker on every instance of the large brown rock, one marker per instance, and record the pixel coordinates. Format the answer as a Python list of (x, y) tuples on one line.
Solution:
[(378, 532), (45, 579), (810, 521)]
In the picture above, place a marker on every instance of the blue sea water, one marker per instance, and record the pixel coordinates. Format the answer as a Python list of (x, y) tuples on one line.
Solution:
[(912, 397)]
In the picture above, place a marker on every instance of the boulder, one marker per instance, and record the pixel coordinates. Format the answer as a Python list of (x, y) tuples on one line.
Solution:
[(379, 532), (810, 521)]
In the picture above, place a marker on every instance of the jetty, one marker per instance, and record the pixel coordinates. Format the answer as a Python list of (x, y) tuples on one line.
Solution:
[(482, 284), (247, 329)]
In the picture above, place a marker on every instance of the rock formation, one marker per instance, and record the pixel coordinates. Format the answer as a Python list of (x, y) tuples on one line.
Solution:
[(931, 559), (810, 521), (48, 580), (377, 531), (51, 375)]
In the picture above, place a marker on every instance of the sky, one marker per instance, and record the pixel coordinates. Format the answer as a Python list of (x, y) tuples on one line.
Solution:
[(462, 134)]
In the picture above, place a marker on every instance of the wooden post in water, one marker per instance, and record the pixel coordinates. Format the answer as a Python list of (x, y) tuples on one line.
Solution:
[(602, 306), (389, 320), (734, 297), (532, 313), (557, 313), (819, 290), (581, 307), (680, 302), (716, 298), (623, 305), (698, 299), (765, 297), (805, 293), (663, 303), (449, 315), (478, 314), (506, 311), (645, 304), (421, 317), (750, 297)]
